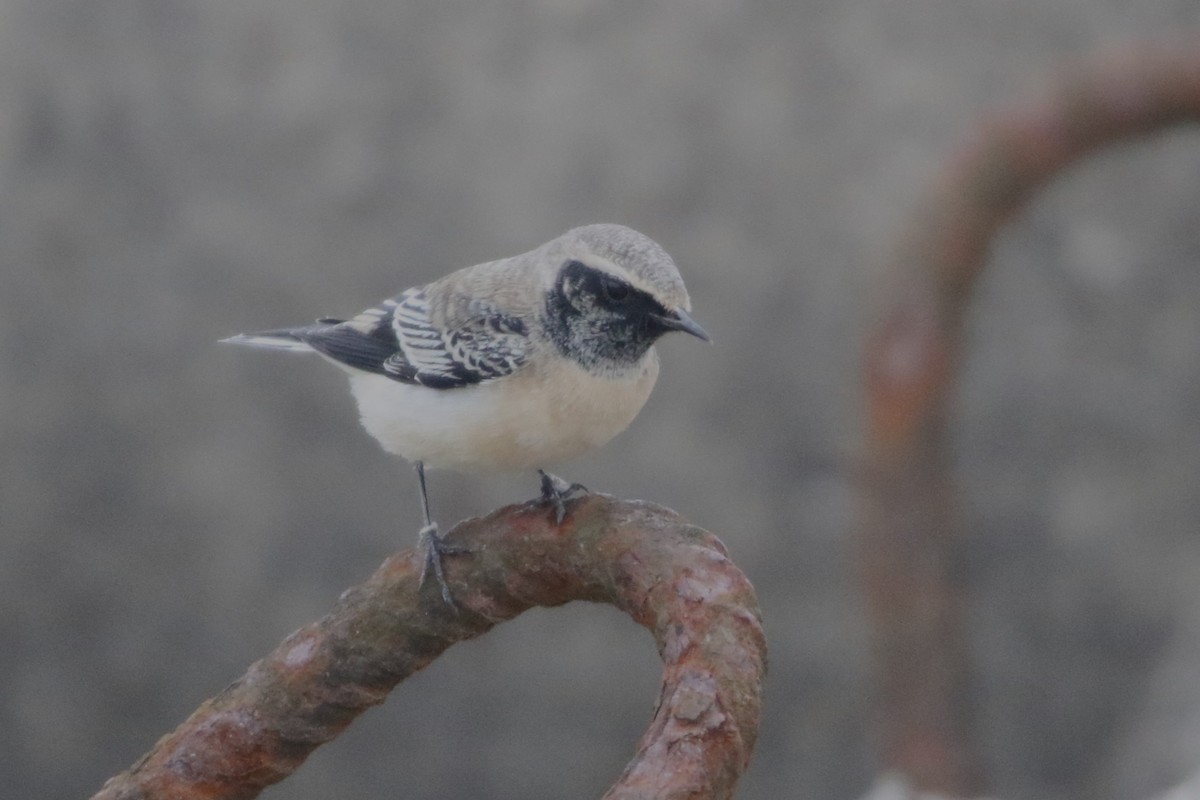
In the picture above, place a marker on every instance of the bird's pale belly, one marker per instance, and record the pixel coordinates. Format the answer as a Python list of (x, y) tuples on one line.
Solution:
[(529, 420)]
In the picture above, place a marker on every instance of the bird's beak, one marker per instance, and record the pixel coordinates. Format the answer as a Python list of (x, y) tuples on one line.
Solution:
[(680, 320)]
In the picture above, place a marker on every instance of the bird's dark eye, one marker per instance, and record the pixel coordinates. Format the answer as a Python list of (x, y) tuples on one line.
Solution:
[(614, 291)]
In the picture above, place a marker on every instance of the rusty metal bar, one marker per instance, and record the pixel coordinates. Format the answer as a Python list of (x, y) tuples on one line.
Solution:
[(909, 529), (668, 575)]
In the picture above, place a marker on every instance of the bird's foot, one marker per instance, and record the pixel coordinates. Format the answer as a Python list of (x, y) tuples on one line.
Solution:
[(556, 491), (435, 547)]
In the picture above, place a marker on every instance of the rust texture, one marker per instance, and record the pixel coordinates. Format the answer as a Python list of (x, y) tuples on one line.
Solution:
[(668, 575), (908, 536)]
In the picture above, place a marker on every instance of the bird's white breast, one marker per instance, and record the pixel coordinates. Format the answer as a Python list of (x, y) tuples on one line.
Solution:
[(544, 414)]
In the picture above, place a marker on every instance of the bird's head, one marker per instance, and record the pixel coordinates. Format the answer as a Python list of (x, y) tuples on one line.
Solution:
[(611, 292)]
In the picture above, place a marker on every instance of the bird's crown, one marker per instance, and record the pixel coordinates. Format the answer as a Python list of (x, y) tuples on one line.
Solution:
[(623, 252)]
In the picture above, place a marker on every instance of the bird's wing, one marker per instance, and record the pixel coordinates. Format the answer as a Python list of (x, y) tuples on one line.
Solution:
[(400, 340)]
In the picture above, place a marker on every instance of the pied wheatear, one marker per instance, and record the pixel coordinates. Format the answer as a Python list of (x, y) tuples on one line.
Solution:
[(509, 365)]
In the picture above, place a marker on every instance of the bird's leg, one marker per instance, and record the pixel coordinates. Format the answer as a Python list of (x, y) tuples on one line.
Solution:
[(555, 491), (433, 545)]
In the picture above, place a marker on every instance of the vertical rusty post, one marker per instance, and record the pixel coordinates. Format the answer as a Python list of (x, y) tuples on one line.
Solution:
[(908, 536), (907, 556)]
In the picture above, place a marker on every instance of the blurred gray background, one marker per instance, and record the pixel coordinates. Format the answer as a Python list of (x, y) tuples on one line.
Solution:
[(176, 171)]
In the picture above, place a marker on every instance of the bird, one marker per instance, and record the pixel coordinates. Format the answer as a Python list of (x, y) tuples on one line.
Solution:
[(509, 365)]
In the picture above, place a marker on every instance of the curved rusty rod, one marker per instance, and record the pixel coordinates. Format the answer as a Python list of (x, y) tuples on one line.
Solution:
[(671, 577), (909, 530)]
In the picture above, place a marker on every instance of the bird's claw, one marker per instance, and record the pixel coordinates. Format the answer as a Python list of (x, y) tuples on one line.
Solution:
[(556, 491), (435, 547)]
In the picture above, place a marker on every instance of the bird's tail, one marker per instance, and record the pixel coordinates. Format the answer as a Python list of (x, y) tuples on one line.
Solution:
[(283, 338)]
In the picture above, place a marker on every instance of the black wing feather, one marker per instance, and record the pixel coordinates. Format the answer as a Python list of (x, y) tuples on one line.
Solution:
[(350, 347), (409, 349)]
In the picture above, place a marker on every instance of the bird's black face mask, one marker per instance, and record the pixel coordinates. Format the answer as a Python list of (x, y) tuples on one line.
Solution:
[(603, 323)]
